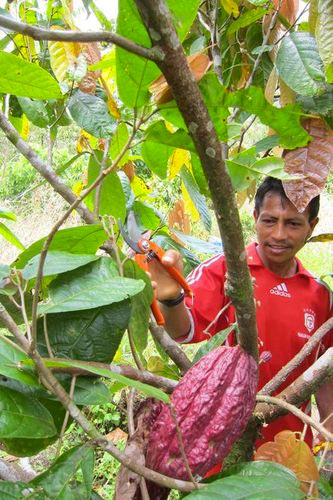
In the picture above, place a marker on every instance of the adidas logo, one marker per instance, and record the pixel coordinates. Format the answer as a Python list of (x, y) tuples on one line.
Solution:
[(280, 289)]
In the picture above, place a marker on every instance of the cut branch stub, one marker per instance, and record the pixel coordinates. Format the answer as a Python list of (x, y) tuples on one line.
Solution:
[(312, 162)]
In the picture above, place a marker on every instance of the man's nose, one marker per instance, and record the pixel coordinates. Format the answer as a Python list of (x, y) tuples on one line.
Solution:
[(279, 232)]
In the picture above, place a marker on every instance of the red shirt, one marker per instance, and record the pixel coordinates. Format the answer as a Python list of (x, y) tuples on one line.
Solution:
[(289, 311)]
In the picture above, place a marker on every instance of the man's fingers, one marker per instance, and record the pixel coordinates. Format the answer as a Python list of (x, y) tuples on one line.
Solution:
[(171, 258)]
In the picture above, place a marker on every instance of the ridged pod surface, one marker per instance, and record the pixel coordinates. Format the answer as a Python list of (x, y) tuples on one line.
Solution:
[(213, 402)]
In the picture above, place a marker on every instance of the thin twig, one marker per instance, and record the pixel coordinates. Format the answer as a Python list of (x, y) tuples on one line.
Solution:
[(170, 346), (135, 355), (65, 422), (46, 337), (297, 412)]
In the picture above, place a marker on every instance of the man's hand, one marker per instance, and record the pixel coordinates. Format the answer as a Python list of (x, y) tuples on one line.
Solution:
[(165, 286)]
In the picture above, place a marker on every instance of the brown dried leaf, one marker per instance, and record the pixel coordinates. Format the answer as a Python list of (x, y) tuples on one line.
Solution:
[(129, 170), (199, 64), (116, 435), (288, 9), (178, 219), (312, 161), (292, 453), (88, 83)]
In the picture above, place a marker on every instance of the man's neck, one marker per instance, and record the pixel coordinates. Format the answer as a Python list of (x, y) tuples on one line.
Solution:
[(284, 269)]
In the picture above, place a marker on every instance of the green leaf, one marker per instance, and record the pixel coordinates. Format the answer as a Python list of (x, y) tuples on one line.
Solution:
[(134, 74), (4, 271), (10, 490), (10, 358), (36, 112), (6, 214), (158, 133), (211, 247), (255, 482), (285, 121), (23, 78), (145, 216), (140, 313), (249, 17), (324, 34), (156, 156), (118, 142), (299, 64), (77, 240), (320, 104), (112, 198), (197, 198), (92, 335), (218, 339), (267, 143), (56, 263), (10, 236), (97, 284), (90, 391), (91, 113), (103, 372), (23, 417), (57, 477)]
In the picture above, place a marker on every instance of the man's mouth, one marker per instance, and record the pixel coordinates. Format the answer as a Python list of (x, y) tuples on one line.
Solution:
[(278, 248)]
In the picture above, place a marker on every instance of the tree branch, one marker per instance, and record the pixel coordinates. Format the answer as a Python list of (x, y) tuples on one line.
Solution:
[(171, 347), (45, 171), (37, 33), (284, 373), (301, 389), (158, 22), (289, 408)]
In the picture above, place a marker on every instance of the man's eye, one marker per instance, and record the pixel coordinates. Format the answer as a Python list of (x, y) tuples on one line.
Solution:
[(268, 221), (294, 224)]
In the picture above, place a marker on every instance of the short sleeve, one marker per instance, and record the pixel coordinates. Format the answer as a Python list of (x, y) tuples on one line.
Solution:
[(206, 307)]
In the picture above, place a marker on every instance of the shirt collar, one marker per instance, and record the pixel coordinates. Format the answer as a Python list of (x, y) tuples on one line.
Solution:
[(253, 260)]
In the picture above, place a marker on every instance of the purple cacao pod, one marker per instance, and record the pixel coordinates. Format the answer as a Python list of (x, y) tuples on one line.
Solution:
[(213, 402)]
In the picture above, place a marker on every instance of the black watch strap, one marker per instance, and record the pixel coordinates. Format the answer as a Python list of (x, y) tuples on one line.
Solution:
[(173, 302)]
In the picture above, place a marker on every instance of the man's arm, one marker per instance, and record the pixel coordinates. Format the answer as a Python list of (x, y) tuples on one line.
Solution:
[(177, 321)]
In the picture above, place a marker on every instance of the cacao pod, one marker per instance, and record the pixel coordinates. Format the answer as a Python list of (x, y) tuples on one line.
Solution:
[(213, 403)]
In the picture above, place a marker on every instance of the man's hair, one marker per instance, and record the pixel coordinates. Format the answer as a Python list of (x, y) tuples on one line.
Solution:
[(271, 185)]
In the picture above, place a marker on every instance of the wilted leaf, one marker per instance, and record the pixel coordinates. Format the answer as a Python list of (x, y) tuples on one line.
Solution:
[(271, 85), (199, 64), (178, 158), (288, 9), (312, 161), (293, 453), (287, 95), (63, 56), (178, 219)]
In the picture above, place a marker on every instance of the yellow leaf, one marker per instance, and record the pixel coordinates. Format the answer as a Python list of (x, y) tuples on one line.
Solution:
[(86, 142), (77, 188), (26, 48), (139, 187), (63, 56), (189, 205), (25, 128), (271, 85), (178, 158), (230, 7)]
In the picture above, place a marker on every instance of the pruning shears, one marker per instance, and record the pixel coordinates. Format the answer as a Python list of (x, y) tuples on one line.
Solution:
[(145, 251)]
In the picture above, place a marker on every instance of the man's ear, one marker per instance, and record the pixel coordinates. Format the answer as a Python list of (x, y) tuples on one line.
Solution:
[(313, 224), (255, 215)]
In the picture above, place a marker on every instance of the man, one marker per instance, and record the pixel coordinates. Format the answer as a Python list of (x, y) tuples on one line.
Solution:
[(290, 303)]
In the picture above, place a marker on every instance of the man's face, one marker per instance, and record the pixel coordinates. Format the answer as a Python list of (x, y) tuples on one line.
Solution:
[(281, 230)]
